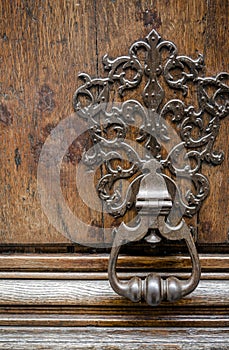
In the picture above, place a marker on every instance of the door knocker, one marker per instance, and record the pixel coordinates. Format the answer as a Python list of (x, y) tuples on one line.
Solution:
[(170, 140)]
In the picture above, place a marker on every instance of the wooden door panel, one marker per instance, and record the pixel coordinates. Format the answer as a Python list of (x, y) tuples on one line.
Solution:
[(49, 282), (44, 47)]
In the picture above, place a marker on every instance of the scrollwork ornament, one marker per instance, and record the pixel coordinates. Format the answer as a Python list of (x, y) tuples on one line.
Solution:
[(198, 126)]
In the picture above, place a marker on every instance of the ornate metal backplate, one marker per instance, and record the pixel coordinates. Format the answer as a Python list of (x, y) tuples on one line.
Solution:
[(176, 136)]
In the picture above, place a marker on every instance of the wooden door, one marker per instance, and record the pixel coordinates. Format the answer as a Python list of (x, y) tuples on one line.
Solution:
[(54, 293)]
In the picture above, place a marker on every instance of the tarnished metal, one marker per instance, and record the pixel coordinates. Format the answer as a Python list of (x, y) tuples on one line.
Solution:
[(155, 178)]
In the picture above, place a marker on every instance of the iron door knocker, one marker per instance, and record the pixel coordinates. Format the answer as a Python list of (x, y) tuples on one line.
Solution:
[(176, 138)]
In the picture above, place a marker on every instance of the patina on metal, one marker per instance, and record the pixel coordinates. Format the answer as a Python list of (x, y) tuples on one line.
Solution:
[(160, 203)]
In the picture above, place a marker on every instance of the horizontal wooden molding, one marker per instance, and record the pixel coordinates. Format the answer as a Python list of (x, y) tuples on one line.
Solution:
[(102, 275), (124, 319), (104, 338), (98, 293), (73, 290), (98, 262)]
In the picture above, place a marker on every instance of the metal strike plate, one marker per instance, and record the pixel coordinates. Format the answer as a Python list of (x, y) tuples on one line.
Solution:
[(176, 138)]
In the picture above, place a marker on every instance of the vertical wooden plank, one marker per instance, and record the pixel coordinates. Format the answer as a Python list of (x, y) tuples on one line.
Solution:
[(119, 25), (214, 218), (44, 45)]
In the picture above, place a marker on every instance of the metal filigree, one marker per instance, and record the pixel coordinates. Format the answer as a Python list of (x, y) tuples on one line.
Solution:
[(153, 67)]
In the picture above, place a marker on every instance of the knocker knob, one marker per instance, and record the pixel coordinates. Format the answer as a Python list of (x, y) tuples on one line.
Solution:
[(152, 291), (156, 289), (135, 289), (174, 289)]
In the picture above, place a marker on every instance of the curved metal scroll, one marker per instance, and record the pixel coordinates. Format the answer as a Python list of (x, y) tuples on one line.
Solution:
[(159, 200)]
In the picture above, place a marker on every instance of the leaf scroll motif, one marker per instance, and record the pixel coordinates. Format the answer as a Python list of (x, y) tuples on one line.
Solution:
[(197, 125)]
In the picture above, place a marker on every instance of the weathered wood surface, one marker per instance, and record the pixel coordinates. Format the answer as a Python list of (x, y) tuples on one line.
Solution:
[(115, 339), (214, 218), (44, 45), (112, 318), (98, 293), (74, 291)]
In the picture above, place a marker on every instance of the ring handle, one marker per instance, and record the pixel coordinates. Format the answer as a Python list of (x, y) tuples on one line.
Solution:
[(154, 289)]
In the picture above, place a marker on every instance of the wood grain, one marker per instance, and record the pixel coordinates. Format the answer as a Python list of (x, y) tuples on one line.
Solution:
[(103, 275), (99, 262), (106, 338), (64, 303), (214, 218), (44, 45), (98, 293), (107, 318)]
